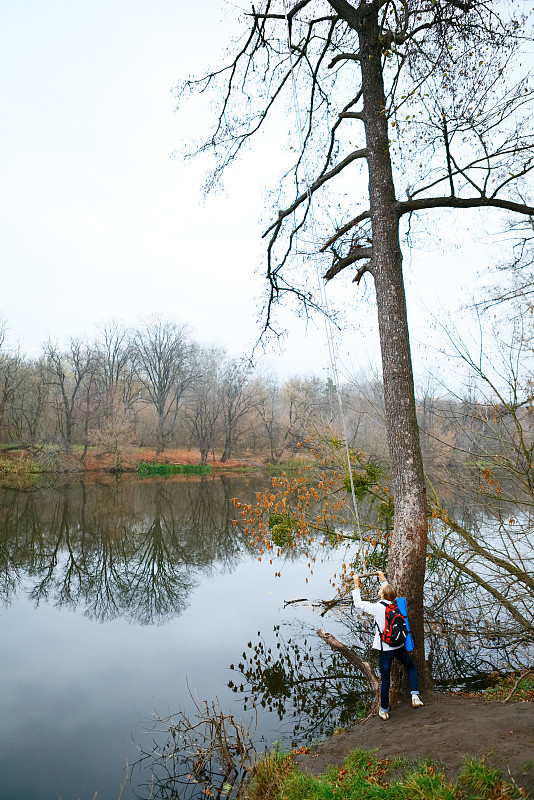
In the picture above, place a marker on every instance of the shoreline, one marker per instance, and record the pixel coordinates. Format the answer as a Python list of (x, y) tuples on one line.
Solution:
[(446, 730), (49, 460)]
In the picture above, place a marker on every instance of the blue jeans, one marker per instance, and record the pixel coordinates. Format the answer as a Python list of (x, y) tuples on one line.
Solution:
[(385, 659)]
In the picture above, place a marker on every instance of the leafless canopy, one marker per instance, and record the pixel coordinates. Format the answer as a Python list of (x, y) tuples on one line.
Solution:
[(457, 103)]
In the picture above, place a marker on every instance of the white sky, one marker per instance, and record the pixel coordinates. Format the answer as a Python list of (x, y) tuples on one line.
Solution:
[(99, 220)]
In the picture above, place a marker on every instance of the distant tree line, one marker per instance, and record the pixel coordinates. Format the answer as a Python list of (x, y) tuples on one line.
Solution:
[(154, 386)]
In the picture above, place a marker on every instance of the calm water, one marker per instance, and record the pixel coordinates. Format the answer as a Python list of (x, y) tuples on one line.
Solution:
[(114, 597)]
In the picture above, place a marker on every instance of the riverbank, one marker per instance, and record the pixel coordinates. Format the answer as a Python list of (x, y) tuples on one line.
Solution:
[(446, 730), (144, 455), (50, 459)]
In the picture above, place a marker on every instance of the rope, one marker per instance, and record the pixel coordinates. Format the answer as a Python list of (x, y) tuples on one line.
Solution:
[(323, 304)]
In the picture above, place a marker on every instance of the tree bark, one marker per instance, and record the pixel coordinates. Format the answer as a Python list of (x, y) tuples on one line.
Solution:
[(68, 422), (407, 555), (160, 435), (227, 452)]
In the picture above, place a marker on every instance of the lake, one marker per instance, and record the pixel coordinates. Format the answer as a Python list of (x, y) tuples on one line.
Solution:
[(120, 597)]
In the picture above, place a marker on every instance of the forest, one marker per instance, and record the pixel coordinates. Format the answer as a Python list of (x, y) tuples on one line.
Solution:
[(154, 387)]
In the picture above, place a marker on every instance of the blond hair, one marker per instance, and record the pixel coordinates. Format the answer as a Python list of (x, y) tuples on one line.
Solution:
[(388, 592)]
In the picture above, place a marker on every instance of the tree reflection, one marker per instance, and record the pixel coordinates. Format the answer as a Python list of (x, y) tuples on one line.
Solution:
[(313, 690), (132, 548), (309, 686), (159, 573)]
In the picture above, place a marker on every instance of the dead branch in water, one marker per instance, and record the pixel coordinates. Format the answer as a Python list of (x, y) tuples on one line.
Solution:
[(354, 659), (210, 748)]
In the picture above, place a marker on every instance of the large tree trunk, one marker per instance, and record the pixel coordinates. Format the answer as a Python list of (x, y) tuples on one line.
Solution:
[(160, 435), (3, 427), (68, 430), (407, 557), (227, 452)]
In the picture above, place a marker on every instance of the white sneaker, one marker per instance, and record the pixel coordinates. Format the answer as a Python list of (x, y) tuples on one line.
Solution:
[(383, 714), (416, 701)]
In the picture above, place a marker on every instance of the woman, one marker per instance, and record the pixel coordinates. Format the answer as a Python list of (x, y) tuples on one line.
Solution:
[(386, 653)]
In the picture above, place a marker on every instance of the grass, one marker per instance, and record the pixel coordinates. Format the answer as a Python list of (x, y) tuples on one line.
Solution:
[(173, 469), (523, 688), (19, 469), (516, 687), (16, 467), (366, 777), (291, 465)]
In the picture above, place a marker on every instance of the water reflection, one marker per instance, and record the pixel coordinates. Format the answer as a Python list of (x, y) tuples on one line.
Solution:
[(134, 551), (301, 680), (131, 549)]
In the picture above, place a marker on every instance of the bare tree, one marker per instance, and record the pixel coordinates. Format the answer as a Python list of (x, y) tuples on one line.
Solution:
[(491, 546), (67, 371), (306, 407), (30, 402), (115, 435), (237, 397), (11, 378), (89, 404), (270, 410), (114, 354), (165, 368), (289, 411), (436, 88), (204, 410)]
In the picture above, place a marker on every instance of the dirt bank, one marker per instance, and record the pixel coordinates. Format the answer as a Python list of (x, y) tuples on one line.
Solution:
[(446, 730)]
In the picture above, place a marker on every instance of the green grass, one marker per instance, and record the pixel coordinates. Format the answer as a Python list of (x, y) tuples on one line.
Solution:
[(173, 469), (291, 465), (522, 689), (244, 470), (513, 686), (366, 777), (19, 468)]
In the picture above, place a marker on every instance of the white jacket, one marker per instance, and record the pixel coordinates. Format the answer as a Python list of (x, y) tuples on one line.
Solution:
[(378, 611)]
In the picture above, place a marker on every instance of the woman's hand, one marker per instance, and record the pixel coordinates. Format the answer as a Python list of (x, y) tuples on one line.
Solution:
[(381, 577), (357, 582)]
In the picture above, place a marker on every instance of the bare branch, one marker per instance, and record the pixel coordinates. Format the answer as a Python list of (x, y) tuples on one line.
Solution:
[(351, 115), (350, 14), (290, 14), (474, 164), (351, 656), (521, 677), (463, 5), (344, 57), (361, 272), (335, 269), (316, 185), (448, 153), (503, 564), (407, 206), (399, 38), (345, 229), (499, 596)]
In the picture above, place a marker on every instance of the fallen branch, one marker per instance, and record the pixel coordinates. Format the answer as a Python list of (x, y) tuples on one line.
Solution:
[(353, 658), (516, 684)]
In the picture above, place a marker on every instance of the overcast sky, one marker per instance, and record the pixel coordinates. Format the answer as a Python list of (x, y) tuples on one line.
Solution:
[(98, 218)]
